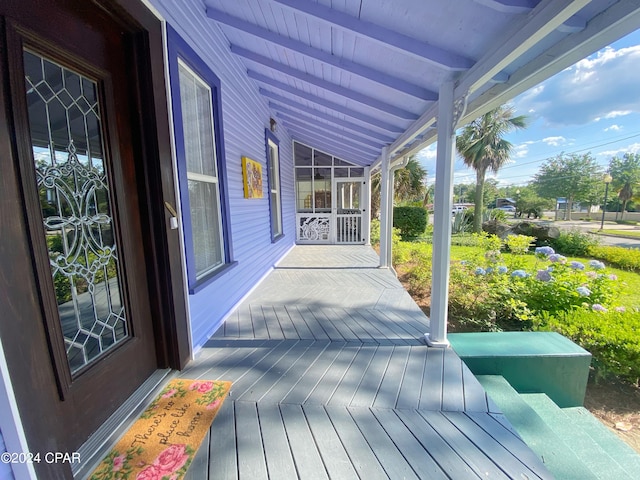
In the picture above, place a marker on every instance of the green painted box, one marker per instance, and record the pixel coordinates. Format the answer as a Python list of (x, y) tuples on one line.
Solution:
[(532, 362)]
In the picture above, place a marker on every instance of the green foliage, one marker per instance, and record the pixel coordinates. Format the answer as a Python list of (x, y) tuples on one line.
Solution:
[(409, 182), (519, 244), (568, 175), (625, 174), (626, 222), (624, 258), (574, 242), (462, 222), (411, 221), (612, 337), (375, 231), (482, 146)]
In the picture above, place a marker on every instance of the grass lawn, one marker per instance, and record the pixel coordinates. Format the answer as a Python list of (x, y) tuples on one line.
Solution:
[(623, 233)]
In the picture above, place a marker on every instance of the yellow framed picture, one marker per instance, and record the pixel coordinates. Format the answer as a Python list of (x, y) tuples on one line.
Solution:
[(252, 178)]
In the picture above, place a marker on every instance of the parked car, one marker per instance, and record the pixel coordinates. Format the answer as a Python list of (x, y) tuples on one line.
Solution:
[(507, 208), (458, 209)]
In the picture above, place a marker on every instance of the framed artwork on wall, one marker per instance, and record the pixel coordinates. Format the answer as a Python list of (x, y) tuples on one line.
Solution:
[(252, 178)]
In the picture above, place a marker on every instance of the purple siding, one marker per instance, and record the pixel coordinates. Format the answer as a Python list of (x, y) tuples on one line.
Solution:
[(245, 116), (5, 468)]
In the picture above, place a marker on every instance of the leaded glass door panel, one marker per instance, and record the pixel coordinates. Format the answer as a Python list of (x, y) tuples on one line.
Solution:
[(83, 312)]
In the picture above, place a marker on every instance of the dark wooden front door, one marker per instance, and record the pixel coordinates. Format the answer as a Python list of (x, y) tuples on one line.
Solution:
[(75, 284)]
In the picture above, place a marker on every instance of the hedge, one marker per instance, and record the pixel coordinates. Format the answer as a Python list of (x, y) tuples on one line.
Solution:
[(411, 221)]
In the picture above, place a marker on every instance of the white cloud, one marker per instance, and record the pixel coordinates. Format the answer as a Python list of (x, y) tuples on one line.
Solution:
[(554, 141), (521, 150), (633, 148), (613, 127), (601, 86)]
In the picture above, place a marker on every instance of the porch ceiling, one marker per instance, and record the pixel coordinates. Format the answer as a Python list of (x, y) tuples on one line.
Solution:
[(348, 76)]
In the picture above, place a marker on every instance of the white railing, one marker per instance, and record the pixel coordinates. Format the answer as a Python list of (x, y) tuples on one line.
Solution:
[(349, 228), (313, 227)]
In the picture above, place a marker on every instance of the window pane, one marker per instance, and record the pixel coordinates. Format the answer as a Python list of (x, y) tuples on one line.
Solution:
[(303, 188), (197, 122), (205, 226), (302, 154), (274, 181), (357, 172), (321, 159)]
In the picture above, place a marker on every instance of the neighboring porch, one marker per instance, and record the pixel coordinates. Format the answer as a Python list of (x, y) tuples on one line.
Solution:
[(332, 379)]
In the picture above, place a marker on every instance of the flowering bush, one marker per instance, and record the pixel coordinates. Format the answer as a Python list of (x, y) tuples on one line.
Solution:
[(519, 300)]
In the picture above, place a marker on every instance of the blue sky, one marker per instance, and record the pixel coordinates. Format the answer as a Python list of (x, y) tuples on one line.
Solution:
[(592, 106)]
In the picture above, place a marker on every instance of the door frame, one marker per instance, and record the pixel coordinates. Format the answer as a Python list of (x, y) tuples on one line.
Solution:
[(334, 209), (156, 187)]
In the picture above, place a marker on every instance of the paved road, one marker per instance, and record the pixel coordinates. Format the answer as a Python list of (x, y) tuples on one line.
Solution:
[(604, 239)]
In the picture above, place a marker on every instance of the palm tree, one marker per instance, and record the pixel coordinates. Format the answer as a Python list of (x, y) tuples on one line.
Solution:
[(482, 147)]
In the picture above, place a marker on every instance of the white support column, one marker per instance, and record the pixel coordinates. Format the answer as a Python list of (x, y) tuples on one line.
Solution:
[(385, 226), (447, 119), (366, 218), (390, 187)]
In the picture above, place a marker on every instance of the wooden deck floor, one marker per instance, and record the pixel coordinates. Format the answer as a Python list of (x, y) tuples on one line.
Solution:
[(333, 380)]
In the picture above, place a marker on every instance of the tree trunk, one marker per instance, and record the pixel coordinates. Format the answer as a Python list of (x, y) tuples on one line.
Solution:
[(479, 207), (569, 207), (624, 206)]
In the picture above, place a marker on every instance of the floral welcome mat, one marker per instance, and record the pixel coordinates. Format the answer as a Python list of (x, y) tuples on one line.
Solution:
[(161, 444)]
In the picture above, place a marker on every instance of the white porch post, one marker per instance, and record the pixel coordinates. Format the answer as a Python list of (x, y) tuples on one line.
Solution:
[(366, 218), (385, 226), (437, 337)]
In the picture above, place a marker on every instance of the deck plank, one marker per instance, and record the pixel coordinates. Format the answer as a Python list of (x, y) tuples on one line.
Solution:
[(222, 444), (412, 382), (259, 322), (337, 318), (452, 388), (308, 460), (311, 322), (475, 399), (280, 462), (362, 458), (351, 380), (481, 464), (251, 460), (412, 450), (282, 387), (389, 389), (294, 315), (391, 459), (199, 467), (335, 458), (325, 388), (277, 370), (370, 384), (431, 394), (284, 321), (308, 380)]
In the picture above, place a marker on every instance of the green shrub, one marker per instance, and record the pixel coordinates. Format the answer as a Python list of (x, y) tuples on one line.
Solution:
[(624, 258), (462, 222), (574, 242), (519, 244), (613, 338), (411, 221), (375, 231), (626, 222)]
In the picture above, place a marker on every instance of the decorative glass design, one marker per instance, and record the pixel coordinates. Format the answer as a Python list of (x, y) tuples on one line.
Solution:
[(66, 137)]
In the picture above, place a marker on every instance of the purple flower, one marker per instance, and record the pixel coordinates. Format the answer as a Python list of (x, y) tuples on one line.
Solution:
[(556, 258), (464, 262), (598, 308), (596, 264), (591, 275), (489, 269), (577, 265), (519, 274), (583, 291), (480, 271), (621, 309), (502, 269), (613, 277), (543, 276), (545, 251)]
